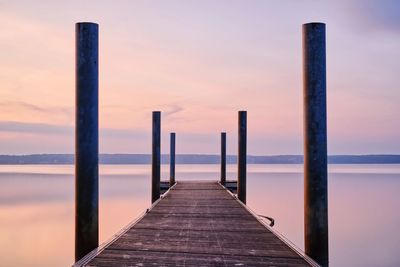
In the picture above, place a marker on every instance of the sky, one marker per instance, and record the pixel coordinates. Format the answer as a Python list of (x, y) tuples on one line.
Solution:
[(200, 62)]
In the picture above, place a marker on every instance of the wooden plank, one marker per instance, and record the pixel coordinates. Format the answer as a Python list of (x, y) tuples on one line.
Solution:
[(198, 224), (154, 258)]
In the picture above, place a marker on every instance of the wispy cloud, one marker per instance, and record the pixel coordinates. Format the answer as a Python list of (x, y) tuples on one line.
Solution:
[(35, 108), (44, 128), (122, 133), (34, 128), (374, 15), (172, 109), (385, 14)]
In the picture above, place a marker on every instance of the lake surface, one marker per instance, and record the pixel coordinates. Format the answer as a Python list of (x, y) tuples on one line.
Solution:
[(37, 208)]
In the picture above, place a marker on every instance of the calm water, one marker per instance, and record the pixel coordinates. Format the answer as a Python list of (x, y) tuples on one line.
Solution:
[(37, 208)]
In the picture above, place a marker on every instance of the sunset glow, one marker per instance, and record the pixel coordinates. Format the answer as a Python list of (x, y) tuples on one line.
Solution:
[(199, 62)]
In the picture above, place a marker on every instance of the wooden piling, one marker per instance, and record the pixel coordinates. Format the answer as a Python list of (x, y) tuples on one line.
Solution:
[(156, 157), (223, 158), (242, 156), (172, 159), (315, 144), (86, 139)]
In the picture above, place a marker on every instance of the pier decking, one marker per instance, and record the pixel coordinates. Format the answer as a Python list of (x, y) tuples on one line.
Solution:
[(196, 224)]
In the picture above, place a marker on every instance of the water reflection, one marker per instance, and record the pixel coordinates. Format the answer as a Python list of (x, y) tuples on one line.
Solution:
[(36, 208)]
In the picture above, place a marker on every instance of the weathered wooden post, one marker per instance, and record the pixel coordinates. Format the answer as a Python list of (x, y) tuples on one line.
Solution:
[(223, 158), (86, 140), (315, 144), (172, 159), (242, 154), (156, 157)]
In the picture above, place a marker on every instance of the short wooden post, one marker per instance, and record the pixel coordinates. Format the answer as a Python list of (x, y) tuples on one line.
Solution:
[(172, 159), (223, 158), (156, 157), (242, 154), (86, 140), (315, 144)]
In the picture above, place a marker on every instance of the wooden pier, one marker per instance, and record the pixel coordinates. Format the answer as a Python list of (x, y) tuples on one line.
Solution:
[(200, 223), (197, 224)]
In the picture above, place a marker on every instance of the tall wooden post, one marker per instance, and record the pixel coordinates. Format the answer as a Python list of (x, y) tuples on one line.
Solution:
[(242, 156), (86, 140), (223, 158), (156, 157), (315, 144), (172, 159)]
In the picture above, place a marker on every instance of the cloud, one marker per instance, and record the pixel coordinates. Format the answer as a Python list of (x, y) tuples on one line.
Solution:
[(122, 133), (31, 107), (44, 128), (170, 110), (375, 15), (34, 128)]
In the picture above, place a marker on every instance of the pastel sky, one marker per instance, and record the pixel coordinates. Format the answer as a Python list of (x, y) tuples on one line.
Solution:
[(199, 62)]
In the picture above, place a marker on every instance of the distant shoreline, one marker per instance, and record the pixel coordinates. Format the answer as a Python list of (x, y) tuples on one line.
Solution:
[(67, 159)]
